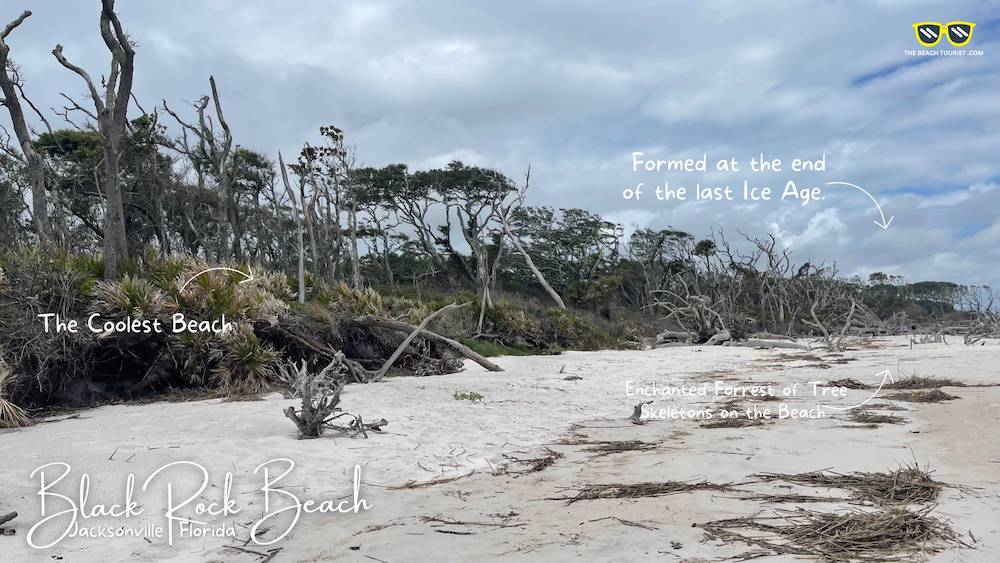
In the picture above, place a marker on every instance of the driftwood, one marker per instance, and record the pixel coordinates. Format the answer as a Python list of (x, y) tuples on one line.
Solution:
[(772, 336), (320, 394), (636, 417), (462, 349), (409, 338), (757, 343), (719, 338), (672, 336), (7, 517)]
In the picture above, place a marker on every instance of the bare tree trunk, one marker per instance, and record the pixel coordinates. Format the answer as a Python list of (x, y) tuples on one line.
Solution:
[(112, 119), (353, 218), (409, 338), (307, 211), (36, 170), (115, 237), (222, 160), (298, 222), (457, 346), (531, 266), (504, 214), (386, 255)]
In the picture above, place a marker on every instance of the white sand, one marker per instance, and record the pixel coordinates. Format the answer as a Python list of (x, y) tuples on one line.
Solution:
[(432, 435)]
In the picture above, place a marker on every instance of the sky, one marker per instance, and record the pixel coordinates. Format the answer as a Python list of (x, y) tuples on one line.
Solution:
[(574, 88)]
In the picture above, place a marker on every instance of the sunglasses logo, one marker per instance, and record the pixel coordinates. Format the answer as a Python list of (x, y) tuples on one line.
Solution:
[(929, 33)]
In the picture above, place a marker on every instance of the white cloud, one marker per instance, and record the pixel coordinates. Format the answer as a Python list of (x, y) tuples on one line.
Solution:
[(572, 88)]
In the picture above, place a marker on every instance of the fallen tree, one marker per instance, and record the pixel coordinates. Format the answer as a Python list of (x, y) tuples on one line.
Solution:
[(393, 324)]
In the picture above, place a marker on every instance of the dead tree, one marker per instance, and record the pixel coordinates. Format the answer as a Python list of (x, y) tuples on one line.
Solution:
[(393, 324), (320, 396), (13, 93), (298, 223), (214, 148), (409, 338), (111, 116), (695, 315), (504, 213), (473, 200), (832, 308)]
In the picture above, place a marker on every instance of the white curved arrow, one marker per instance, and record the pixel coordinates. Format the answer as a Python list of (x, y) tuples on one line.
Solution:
[(883, 223), (248, 276), (886, 375)]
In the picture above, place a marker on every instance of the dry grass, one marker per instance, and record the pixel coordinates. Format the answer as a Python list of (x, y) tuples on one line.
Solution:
[(933, 396), (535, 464), (641, 490), (886, 407), (889, 534), (791, 498), (617, 446), (904, 485), (732, 422), (866, 416), (849, 383), (922, 382)]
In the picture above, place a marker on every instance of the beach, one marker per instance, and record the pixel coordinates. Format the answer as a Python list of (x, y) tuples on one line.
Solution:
[(461, 478)]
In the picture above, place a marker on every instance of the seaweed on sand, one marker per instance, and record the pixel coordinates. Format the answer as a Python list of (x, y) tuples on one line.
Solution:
[(888, 534), (933, 396), (608, 447), (640, 490), (866, 416), (904, 485)]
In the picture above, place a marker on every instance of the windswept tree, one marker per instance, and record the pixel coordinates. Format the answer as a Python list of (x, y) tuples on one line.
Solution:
[(333, 177), (379, 220), (472, 193), (111, 117)]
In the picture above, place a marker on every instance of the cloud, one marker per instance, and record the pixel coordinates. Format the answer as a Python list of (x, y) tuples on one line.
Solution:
[(572, 88)]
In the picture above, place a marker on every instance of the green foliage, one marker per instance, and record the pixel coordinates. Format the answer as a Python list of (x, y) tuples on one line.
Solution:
[(55, 281), (355, 303), (129, 296), (11, 415), (544, 328), (72, 144), (470, 396), (245, 365)]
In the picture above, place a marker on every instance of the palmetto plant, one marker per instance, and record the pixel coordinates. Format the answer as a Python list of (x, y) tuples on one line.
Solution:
[(11, 415), (130, 296), (244, 363)]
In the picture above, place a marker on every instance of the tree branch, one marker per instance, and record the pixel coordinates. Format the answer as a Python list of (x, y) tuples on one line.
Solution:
[(58, 53)]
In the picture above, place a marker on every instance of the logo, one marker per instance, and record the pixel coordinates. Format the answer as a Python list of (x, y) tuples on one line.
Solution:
[(929, 33)]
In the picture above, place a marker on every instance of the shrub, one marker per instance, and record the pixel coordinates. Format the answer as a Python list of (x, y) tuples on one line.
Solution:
[(245, 365), (129, 296), (11, 415)]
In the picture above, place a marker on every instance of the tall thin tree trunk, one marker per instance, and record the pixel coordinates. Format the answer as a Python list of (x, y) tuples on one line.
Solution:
[(301, 230), (355, 259), (531, 266), (115, 237)]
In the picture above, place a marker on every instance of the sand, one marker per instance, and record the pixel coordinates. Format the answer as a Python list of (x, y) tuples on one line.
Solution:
[(489, 513)]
